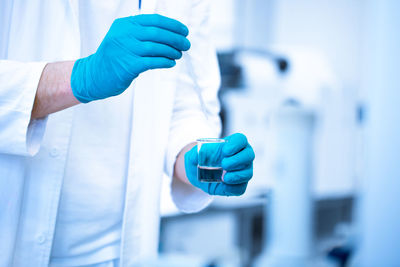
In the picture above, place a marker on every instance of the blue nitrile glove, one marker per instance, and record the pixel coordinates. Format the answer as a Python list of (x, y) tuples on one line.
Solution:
[(237, 161), (132, 45)]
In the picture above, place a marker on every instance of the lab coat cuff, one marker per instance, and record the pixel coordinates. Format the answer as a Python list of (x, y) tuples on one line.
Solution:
[(23, 134), (177, 143), (35, 127), (34, 136), (188, 198)]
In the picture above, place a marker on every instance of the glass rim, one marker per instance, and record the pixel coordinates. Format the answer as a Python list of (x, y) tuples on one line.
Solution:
[(211, 140)]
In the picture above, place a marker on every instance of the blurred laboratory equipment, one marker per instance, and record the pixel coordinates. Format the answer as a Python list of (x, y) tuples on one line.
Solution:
[(290, 224), (273, 59), (277, 202), (378, 210)]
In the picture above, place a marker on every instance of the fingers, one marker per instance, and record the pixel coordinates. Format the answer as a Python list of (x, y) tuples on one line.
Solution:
[(150, 49), (235, 143), (240, 160), (163, 22), (222, 189), (210, 154), (238, 177), (191, 157), (157, 63), (162, 36), (157, 40)]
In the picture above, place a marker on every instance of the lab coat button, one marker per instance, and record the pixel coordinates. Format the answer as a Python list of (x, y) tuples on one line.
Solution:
[(54, 152), (41, 239)]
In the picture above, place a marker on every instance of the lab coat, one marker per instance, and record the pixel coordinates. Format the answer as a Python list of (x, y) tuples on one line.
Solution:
[(166, 115)]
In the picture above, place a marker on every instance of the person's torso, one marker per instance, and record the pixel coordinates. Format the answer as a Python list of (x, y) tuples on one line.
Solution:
[(87, 145), (89, 219)]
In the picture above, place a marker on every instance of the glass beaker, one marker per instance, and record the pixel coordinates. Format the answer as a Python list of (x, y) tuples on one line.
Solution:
[(209, 152)]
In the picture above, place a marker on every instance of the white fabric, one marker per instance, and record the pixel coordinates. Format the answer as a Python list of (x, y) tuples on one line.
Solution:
[(89, 219), (165, 116), (16, 107)]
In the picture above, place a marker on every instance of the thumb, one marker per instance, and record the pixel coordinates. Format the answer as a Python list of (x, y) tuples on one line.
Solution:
[(191, 157)]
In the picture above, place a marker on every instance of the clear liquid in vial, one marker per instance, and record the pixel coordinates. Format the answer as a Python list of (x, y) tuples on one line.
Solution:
[(209, 174)]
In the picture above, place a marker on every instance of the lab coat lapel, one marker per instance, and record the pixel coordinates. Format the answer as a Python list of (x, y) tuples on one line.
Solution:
[(152, 108)]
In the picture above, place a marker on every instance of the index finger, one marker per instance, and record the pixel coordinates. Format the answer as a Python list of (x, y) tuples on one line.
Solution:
[(235, 143), (163, 22)]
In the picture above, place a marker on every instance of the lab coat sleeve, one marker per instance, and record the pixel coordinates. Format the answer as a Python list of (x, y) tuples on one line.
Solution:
[(188, 120), (19, 135)]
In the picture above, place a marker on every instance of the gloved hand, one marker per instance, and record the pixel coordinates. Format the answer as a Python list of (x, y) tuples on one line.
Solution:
[(237, 161), (132, 45)]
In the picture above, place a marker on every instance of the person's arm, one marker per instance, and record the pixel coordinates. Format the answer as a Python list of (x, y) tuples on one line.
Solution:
[(132, 46), (31, 90), (54, 91)]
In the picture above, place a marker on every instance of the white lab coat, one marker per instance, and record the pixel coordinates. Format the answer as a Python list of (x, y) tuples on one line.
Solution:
[(166, 116)]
